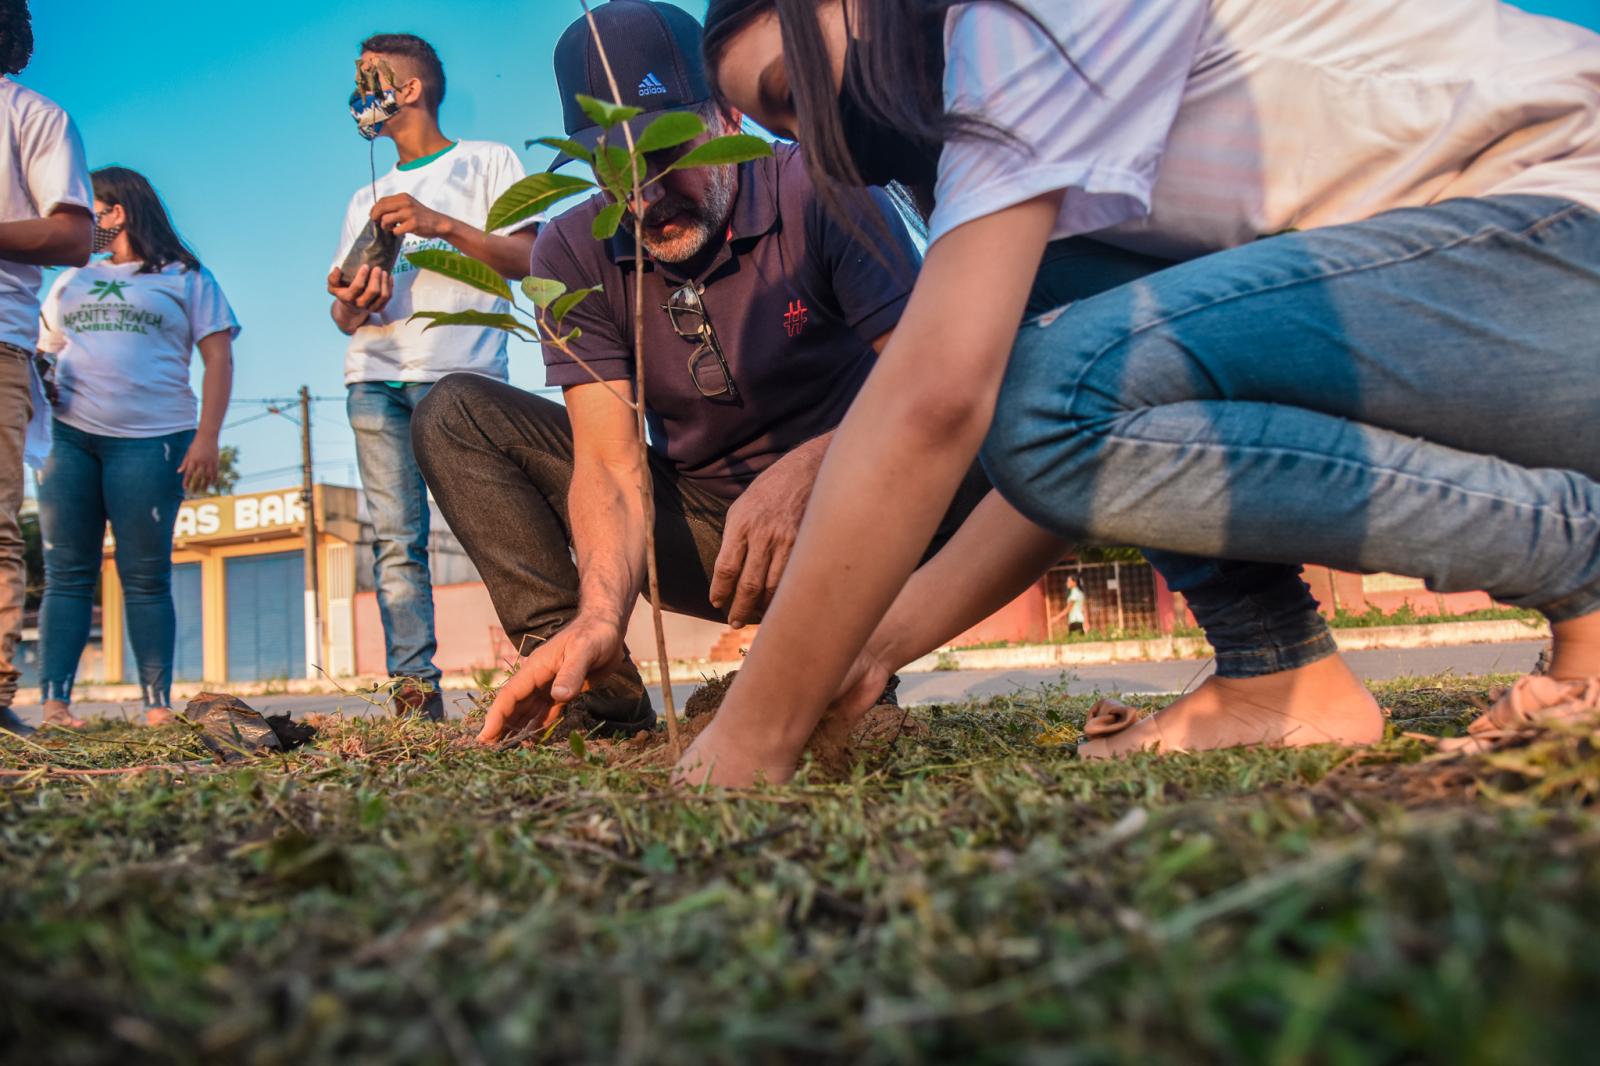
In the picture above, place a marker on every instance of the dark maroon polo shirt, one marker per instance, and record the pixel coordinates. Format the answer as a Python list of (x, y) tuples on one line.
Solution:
[(795, 299)]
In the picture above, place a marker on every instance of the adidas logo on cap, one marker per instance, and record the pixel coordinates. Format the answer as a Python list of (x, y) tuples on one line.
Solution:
[(652, 86)]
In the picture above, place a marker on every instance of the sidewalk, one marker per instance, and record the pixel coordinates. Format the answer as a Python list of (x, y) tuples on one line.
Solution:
[(1029, 656), (1169, 649)]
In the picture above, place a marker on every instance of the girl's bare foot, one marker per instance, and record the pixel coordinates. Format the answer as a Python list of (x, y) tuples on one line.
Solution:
[(59, 714), (158, 716), (1323, 703)]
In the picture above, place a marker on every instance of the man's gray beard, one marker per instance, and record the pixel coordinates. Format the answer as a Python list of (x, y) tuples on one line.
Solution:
[(711, 217)]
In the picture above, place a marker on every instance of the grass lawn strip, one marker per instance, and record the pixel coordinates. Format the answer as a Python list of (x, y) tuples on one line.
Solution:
[(980, 896)]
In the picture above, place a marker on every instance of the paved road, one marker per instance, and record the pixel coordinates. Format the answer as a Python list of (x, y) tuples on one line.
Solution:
[(962, 684)]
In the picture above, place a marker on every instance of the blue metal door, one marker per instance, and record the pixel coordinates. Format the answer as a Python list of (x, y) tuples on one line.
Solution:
[(189, 662), (266, 616)]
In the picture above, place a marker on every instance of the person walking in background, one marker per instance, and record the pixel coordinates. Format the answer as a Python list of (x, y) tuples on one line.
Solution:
[(392, 362), (1077, 619), (44, 221), (126, 441)]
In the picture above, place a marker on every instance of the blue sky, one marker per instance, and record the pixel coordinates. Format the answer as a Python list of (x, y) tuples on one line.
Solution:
[(237, 113)]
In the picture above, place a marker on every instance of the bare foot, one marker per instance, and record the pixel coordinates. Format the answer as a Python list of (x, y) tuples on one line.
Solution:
[(1323, 703), (58, 713), (158, 716)]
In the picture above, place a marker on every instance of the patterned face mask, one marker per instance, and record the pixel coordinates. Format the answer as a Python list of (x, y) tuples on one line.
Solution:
[(102, 237), (371, 110)]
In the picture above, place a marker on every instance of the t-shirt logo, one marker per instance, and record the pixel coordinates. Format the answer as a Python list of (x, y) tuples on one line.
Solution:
[(105, 290), (794, 321), (652, 86)]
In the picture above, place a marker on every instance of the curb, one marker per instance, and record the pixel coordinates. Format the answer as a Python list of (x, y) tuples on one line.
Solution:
[(1162, 649)]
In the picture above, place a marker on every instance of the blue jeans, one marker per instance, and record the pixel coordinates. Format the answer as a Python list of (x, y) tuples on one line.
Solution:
[(133, 482), (1415, 393), (397, 500)]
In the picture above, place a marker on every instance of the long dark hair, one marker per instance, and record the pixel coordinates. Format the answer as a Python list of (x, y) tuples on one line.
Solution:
[(149, 229), (896, 74)]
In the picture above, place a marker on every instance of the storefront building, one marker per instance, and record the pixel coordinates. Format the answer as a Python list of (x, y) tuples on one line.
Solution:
[(239, 588)]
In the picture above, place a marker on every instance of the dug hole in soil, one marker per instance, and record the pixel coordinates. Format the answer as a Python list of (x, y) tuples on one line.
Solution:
[(834, 751)]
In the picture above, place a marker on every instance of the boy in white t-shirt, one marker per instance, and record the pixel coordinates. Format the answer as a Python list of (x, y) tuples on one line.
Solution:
[(44, 221), (433, 198)]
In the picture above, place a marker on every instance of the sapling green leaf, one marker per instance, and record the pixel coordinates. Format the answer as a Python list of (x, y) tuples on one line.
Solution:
[(607, 115), (669, 131), (611, 166), (734, 148), (560, 308), (562, 144), (542, 291), (607, 221), (532, 195), (492, 319), (462, 268)]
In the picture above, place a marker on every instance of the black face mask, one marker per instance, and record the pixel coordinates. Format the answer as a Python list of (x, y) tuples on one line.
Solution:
[(882, 154)]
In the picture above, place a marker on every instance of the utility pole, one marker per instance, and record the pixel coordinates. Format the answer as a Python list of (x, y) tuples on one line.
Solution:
[(308, 500)]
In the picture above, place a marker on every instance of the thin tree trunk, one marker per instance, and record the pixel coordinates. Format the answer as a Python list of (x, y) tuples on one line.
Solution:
[(646, 485)]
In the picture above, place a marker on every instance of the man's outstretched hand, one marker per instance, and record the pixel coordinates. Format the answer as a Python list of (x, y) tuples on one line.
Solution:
[(759, 534), (554, 673)]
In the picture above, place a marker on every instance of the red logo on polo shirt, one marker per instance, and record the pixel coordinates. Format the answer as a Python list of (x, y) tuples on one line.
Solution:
[(795, 320)]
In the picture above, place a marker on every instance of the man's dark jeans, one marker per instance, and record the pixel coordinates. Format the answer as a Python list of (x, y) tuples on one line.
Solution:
[(499, 461)]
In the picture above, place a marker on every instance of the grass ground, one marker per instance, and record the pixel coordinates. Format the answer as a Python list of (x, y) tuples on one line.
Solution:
[(981, 896)]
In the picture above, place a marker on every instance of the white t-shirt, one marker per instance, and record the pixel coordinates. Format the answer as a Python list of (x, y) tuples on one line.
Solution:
[(1075, 602), (1217, 122), (41, 168), (463, 182), (123, 341)]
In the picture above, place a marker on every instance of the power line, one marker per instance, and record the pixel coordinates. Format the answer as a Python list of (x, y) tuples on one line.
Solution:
[(285, 401), (247, 421)]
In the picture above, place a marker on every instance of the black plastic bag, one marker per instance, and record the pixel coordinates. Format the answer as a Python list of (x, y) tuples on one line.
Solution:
[(374, 247)]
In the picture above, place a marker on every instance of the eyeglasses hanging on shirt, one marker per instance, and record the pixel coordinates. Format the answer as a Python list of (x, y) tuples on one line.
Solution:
[(708, 368)]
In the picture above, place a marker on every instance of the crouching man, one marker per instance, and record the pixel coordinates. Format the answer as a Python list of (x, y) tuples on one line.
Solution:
[(762, 320)]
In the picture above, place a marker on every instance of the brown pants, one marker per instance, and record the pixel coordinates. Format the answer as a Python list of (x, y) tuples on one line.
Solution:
[(16, 407)]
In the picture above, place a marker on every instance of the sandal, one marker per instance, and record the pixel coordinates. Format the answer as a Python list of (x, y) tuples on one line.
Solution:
[(1520, 710), (158, 716), (60, 715), (1107, 718)]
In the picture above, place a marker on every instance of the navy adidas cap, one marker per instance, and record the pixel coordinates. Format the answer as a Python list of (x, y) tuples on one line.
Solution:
[(654, 49)]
